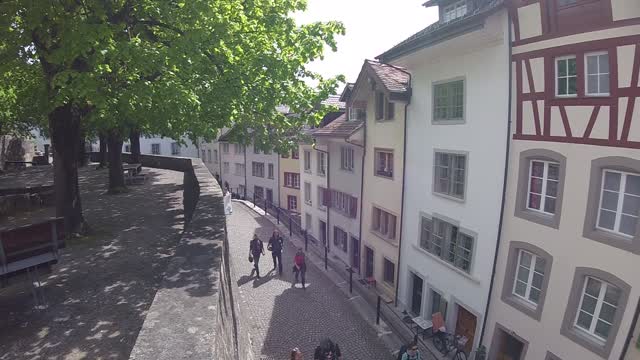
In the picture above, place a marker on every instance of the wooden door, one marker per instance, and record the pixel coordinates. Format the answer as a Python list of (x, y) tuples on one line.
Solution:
[(416, 294), (466, 326), (510, 348)]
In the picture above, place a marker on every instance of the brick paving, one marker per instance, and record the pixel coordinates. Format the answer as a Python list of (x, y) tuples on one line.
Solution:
[(278, 316)]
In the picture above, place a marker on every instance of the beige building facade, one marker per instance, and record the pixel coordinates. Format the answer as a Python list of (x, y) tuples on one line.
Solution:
[(290, 182)]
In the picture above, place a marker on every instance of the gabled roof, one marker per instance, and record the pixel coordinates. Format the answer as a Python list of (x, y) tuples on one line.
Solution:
[(227, 136), (335, 101), (394, 78), (346, 93), (339, 127), (442, 31)]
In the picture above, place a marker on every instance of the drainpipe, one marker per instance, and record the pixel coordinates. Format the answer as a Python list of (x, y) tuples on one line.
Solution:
[(634, 323), (245, 173), (327, 232), (504, 188), (364, 153)]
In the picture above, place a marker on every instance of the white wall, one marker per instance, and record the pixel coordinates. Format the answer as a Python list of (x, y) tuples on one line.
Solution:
[(485, 68), (232, 158), (188, 150), (265, 181), (317, 213)]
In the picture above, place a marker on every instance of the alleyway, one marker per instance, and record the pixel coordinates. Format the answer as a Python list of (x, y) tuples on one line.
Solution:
[(279, 317)]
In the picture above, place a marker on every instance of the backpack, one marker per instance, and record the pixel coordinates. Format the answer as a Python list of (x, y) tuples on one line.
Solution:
[(403, 350)]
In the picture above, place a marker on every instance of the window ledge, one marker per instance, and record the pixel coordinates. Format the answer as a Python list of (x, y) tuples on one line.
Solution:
[(540, 218), (448, 122), (523, 306), (384, 238), (308, 203), (383, 176), (308, 171), (446, 264), (449, 197)]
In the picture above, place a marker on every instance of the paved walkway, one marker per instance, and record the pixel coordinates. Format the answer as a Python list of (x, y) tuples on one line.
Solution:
[(100, 291), (278, 316)]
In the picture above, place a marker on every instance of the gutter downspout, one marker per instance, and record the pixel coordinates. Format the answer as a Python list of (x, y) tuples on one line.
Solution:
[(504, 187), (634, 323), (327, 232), (244, 196), (404, 170), (364, 153)]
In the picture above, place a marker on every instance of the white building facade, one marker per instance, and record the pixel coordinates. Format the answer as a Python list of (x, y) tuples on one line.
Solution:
[(455, 164), (313, 179), (232, 161), (165, 147), (262, 175)]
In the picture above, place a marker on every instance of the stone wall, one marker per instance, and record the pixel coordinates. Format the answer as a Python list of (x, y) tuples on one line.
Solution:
[(193, 314)]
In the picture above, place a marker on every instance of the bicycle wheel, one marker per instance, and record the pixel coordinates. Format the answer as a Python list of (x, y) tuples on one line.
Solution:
[(439, 343), (461, 355)]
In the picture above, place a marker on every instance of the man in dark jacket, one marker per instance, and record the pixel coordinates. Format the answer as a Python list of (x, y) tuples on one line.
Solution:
[(328, 350), (275, 246), (256, 248)]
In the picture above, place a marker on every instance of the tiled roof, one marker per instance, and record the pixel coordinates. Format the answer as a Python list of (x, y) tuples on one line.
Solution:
[(394, 78), (335, 101), (226, 136), (339, 127), (438, 28)]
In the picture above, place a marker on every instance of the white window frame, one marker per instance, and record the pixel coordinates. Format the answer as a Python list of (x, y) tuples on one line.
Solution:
[(529, 284), (357, 113), (225, 167), (457, 10), (451, 170), (381, 223), (225, 148), (291, 180), (621, 195), (307, 193), (257, 169), (308, 222), (322, 164), (545, 180), (346, 158), (595, 317), (175, 148), (307, 161), (388, 155), (556, 77), (239, 169), (153, 149), (270, 171), (449, 106), (292, 199), (446, 241), (598, 74)]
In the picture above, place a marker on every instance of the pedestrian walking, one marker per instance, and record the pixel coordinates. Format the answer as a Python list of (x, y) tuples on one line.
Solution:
[(256, 248), (327, 350), (275, 246), (300, 267), (412, 352), (296, 354)]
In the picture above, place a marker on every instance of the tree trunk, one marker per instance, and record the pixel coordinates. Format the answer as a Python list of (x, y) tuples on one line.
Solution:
[(134, 139), (64, 126), (82, 152), (116, 176), (103, 149)]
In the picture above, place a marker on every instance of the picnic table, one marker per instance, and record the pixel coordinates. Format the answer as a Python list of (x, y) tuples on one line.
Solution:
[(133, 173), (422, 325)]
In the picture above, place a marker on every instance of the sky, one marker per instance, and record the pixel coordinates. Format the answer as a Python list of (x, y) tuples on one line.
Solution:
[(372, 26)]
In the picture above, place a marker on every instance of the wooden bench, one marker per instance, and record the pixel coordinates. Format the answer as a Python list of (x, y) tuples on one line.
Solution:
[(30, 249), (17, 164)]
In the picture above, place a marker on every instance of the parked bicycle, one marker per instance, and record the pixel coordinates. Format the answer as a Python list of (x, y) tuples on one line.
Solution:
[(446, 343)]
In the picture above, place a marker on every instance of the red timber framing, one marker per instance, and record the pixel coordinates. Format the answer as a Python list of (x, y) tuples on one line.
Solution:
[(540, 115)]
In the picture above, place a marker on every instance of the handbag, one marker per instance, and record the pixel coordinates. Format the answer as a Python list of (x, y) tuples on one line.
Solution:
[(250, 258)]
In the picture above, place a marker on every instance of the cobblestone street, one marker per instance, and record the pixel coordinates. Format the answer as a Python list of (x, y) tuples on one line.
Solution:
[(278, 316)]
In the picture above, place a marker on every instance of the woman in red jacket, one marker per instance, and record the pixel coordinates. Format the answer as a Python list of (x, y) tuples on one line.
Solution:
[(300, 266)]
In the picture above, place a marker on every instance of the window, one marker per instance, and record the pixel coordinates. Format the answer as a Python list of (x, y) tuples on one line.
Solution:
[(204, 156), (285, 155), (454, 11), (384, 163), (613, 203), (292, 202), (448, 102), (356, 114), (241, 190), (594, 311), (270, 171), (307, 161), (295, 154), (322, 168), (215, 156), (384, 223), (540, 186), (344, 203), (597, 69), (379, 106), (391, 110), (257, 169), (544, 177), (225, 148), (323, 197), (256, 150), (258, 193), (239, 169), (238, 149), (225, 167), (562, 3), (127, 148), (175, 148), (209, 154), (449, 174), (292, 180), (346, 158), (155, 149), (529, 277), (448, 242), (340, 238), (438, 304), (566, 76), (308, 224), (307, 193), (389, 271), (619, 202)]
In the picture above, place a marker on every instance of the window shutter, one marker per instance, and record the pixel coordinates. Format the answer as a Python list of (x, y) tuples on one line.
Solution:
[(354, 207)]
